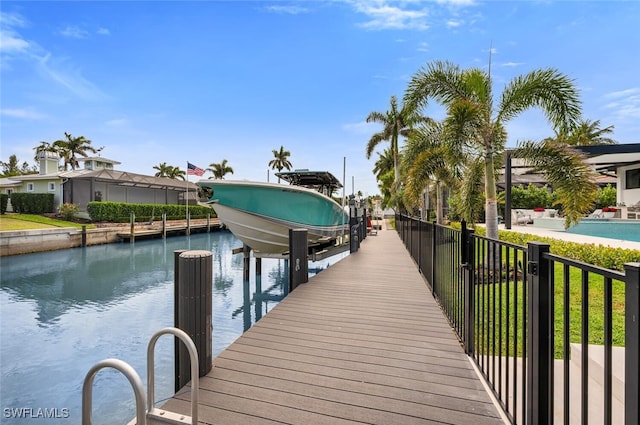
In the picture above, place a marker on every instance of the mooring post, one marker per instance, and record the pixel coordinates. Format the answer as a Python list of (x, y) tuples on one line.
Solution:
[(84, 235), (298, 265), (188, 231), (164, 225), (176, 314), (246, 261), (353, 225), (132, 219), (194, 309), (209, 223)]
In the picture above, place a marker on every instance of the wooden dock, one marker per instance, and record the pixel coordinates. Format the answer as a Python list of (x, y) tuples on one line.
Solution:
[(156, 230), (361, 342)]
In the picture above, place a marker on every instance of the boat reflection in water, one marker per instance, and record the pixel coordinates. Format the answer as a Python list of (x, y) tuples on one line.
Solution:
[(64, 311)]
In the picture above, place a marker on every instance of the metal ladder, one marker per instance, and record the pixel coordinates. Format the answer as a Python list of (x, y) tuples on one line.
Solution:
[(146, 413)]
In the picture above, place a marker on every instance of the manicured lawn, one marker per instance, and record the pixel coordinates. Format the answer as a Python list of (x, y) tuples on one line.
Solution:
[(507, 301), (9, 222)]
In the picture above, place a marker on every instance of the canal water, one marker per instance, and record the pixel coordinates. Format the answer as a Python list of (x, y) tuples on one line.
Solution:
[(62, 312)]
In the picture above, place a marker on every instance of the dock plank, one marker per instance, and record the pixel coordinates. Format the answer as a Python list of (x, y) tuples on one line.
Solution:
[(362, 342)]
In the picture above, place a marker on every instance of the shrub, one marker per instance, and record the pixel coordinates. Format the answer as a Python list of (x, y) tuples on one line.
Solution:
[(4, 201), (69, 211), (120, 212), (606, 196), (32, 203)]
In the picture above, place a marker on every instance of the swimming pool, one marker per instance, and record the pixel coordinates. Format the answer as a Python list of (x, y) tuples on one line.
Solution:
[(628, 230)]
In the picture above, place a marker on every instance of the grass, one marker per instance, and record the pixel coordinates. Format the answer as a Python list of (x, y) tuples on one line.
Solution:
[(14, 222), (507, 302)]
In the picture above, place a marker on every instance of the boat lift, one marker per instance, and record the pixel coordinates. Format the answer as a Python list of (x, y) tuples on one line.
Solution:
[(146, 413)]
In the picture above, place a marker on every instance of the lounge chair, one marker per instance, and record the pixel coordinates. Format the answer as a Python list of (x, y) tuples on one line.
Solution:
[(596, 214)]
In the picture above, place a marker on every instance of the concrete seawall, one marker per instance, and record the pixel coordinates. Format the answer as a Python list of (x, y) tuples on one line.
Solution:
[(30, 241)]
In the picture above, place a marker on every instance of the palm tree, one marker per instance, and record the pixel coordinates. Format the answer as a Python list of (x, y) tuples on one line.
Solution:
[(280, 160), (220, 170), (43, 147), (428, 157), (384, 172), (164, 170), (587, 133), (176, 173), (473, 120), (395, 123), (384, 164), (70, 148)]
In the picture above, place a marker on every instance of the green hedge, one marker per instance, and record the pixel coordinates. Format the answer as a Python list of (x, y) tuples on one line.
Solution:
[(120, 212), (597, 255), (32, 203), (4, 201)]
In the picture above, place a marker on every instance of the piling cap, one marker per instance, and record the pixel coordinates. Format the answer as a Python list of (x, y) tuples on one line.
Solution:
[(200, 253)]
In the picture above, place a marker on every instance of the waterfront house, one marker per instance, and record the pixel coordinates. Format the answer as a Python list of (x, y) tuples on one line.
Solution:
[(97, 180)]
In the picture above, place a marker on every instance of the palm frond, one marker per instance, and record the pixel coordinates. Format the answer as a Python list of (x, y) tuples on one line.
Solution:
[(566, 170)]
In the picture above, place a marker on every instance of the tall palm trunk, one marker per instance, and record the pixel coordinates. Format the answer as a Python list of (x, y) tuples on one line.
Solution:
[(491, 206), (439, 203)]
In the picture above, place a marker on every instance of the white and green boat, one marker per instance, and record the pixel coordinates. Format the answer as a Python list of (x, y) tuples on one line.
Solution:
[(261, 214)]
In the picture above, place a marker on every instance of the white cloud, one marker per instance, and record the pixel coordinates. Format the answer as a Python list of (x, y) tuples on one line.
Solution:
[(10, 40), (361, 127), (117, 122), (453, 23), (290, 10), (457, 2), (423, 47), (103, 31), (625, 104), (21, 113), (386, 15), (68, 77), (73, 31), (512, 64)]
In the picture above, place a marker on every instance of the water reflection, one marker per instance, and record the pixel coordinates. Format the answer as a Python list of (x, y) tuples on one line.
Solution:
[(61, 312)]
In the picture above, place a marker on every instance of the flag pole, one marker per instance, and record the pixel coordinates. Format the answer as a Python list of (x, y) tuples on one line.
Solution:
[(186, 199)]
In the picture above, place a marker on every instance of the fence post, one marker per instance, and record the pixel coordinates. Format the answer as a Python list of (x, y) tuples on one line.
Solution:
[(631, 337), (434, 236), (539, 334), (467, 256)]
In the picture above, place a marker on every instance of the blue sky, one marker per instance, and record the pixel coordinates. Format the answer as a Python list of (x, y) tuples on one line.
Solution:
[(178, 81)]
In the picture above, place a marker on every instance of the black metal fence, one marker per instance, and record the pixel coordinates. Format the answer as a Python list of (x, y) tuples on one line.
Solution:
[(557, 340)]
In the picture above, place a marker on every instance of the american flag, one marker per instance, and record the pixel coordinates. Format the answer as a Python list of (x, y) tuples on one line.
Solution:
[(194, 170)]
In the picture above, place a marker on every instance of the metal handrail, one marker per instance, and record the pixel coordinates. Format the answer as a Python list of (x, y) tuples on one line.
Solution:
[(129, 372), (195, 376)]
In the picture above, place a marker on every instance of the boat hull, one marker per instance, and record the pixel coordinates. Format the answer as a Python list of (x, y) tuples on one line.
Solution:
[(261, 214)]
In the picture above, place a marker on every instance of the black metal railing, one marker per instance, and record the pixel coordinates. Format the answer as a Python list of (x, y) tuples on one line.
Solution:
[(530, 320)]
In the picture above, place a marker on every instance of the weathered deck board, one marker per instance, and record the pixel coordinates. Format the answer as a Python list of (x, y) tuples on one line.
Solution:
[(362, 342)]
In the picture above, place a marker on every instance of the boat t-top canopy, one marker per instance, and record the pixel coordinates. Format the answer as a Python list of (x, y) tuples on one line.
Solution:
[(322, 181)]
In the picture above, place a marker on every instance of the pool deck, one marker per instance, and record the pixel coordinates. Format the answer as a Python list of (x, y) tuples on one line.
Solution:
[(572, 237), (362, 342)]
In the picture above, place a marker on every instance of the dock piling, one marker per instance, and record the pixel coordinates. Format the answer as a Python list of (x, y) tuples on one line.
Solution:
[(298, 264), (194, 291)]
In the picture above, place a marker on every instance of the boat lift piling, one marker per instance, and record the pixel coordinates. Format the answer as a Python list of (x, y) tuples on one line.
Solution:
[(298, 260), (193, 298)]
